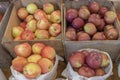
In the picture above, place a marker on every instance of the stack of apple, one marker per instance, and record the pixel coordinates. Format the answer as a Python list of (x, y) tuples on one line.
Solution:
[(89, 63), (33, 65), (91, 22), (37, 23)]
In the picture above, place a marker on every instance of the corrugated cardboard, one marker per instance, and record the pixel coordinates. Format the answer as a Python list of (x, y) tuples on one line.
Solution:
[(7, 40), (110, 46)]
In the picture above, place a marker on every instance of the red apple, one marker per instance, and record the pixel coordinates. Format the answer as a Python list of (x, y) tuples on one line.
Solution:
[(48, 52), (23, 24), (55, 16), (101, 26), (95, 19), (76, 60), (31, 25), (39, 14), (22, 13), (31, 70), (27, 35), (46, 65), (18, 63), (43, 24), (42, 34), (99, 36), (82, 36), (71, 14), (86, 71), (84, 52), (48, 8), (78, 23), (94, 59), (55, 29), (37, 48), (103, 10), (71, 33), (31, 8), (100, 72), (17, 31), (23, 50), (94, 7)]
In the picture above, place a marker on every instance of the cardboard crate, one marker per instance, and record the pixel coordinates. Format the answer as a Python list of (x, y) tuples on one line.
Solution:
[(7, 40), (5, 57), (110, 46)]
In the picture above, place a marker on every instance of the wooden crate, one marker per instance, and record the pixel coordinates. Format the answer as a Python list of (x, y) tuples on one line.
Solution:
[(7, 40), (110, 46)]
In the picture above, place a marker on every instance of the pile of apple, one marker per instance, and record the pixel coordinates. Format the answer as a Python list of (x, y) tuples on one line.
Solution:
[(89, 63), (33, 65), (37, 23), (91, 22)]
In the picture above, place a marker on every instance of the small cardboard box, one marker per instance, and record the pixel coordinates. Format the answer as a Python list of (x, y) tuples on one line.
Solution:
[(7, 40), (110, 46)]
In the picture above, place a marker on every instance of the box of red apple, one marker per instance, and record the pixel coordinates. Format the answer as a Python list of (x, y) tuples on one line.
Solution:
[(33, 20), (37, 61), (89, 64), (91, 24)]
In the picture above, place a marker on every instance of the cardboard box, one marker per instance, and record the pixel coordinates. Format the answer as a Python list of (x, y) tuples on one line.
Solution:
[(110, 46), (7, 40)]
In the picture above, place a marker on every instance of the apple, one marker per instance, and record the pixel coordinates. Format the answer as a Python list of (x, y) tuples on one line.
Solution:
[(17, 31), (86, 71), (76, 59), (17, 38), (55, 29), (48, 8), (37, 48), (99, 36), (22, 13), (27, 35), (95, 19), (84, 52), (71, 14), (82, 36), (90, 28), (48, 52), (103, 10), (42, 34), (23, 50), (39, 14), (46, 65), (105, 60), (18, 63), (94, 7), (23, 24), (55, 16), (94, 59), (78, 23), (84, 13), (31, 25), (1, 16), (110, 17), (71, 33), (43, 24), (31, 70), (100, 72), (34, 58), (31, 8), (29, 18)]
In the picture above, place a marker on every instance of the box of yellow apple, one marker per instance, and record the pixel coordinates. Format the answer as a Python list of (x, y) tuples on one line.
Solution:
[(37, 61), (34, 20)]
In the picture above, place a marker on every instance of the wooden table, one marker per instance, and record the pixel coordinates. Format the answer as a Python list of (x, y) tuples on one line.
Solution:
[(62, 66)]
